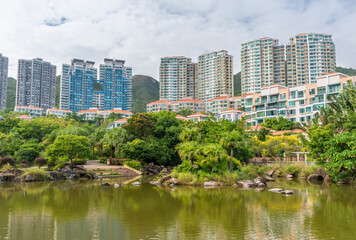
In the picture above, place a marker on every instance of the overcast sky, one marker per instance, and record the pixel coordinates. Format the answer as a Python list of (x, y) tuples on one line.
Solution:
[(143, 31)]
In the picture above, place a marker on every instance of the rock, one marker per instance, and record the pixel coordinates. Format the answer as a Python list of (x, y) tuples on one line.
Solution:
[(276, 190), (69, 175), (210, 184), (289, 177), (262, 185), (342, 182), (259, 180), (105, 185), (320, 171), (174, 181), (81, 171), (155, 183), (315, 177), (327, 178), (234, 185), (7, 176), (270, 173), (247, 184), (165, 178), (136, 183), (287, 192), (116, 185), (171, 185), (29, 178), (269, 179), (164, 171)]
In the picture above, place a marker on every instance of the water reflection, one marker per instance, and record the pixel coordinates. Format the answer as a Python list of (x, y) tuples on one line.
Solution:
[(83, 210)]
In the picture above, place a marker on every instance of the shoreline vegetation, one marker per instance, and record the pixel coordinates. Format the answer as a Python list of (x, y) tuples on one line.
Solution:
[(210, 150)]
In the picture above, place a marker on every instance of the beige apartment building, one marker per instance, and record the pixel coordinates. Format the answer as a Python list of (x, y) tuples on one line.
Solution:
[(176, 106), (262, 64)]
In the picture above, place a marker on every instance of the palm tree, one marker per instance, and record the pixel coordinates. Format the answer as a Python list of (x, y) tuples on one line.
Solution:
[(97, 139), (115, 138), (214, 152), (232, 140), (190, 134), (189, 150)]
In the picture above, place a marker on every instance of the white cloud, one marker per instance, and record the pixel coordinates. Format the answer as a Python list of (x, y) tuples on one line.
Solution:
[(143, 31)]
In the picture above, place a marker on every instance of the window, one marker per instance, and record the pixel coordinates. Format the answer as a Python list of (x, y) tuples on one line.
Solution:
[(308, 109), (300, 94), (302, 110), (312, 91), (301, 102), (291, 103)]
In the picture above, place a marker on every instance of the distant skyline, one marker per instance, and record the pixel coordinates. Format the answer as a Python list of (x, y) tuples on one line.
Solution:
[(142, 32)]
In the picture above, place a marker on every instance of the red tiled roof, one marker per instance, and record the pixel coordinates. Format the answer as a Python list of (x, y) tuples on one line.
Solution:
[(257, 127), (56, 109), (218, 98), (121, 120), (29, 107), (190, 100), (232, 110), (197, 115), (23, 116)]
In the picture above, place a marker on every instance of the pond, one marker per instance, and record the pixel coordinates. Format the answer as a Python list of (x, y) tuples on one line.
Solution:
[(84, 210)]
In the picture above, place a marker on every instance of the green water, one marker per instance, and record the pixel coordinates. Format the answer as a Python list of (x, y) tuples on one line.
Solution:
[(82, 210)]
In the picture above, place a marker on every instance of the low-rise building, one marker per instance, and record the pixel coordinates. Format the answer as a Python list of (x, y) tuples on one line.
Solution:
[(176, 106), (24, 117), (58, 112), (31, 110), (117, 123), (91, 113), (231, 114), (198, 117)]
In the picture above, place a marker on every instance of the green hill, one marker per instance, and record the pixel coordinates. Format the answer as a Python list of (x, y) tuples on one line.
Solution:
[(347, 71), (145, 89), (11, 93)]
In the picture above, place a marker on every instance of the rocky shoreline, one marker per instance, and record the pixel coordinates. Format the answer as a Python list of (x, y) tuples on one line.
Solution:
[(65, 173)]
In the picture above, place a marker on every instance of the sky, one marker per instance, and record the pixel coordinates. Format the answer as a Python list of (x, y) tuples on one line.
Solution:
[(143, 31)]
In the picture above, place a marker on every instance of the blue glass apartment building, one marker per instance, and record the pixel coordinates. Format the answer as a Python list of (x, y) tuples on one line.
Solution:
[(77, 86), (117, 84)]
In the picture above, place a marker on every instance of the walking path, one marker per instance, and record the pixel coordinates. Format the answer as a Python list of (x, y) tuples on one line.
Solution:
[(111, 170)]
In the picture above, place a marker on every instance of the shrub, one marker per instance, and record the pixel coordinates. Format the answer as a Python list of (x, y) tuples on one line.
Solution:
[(30, 154), (249, 171), (7, 166), (293, 169), (117, 161), (23, 161), (7, 160), (59, 165), (134, 164), (79, 161), (39, 174), (40, 161)]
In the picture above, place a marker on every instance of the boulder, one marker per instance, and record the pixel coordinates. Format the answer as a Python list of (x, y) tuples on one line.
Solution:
[(289, 177), (315, 177), (269, 179), (234, 185), (327, 178), (259, 180), (105, 185), (211, 184), (247, 184), (270, 173), (136, 183), (81, 171), (165, 178), (69, 175), (287, 192), (7, 177), (342, 182), (174, 181), (164, 171), (262, 185), (29, 178), (276, 190), (155, 183), (116, 185)]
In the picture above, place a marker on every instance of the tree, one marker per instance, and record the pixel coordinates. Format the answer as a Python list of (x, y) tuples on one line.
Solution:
[(232, 140), (189, 151), (190, 134), (214, 156), (140, 125), (339, 158), (96, 138), (278, 124), (70, 146), (114, 139), (185, 112)]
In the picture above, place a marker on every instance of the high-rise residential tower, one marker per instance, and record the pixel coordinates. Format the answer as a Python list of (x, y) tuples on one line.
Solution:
[(78, 91), (77, 85), (176, 78), (117, 84), (36, 83), (4, 66), (262, 64), (214, 75), (309, 55)]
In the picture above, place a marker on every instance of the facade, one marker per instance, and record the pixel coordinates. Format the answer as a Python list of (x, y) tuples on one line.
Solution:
[(309, 56), (31, 110), (176, 106), (214, 76), (117, 85), (297, 104), (91, 113), (231, 115), (79, 78), (176, 78), (197, 117), (4, 66), (262, 64), (58, 112), (77, 85), (24, 117), (117, 123), (36, 83)]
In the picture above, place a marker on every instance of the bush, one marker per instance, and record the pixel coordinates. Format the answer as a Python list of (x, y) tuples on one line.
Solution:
[(117, 161), (7, 160), (40, 161), (59, 165), (23, 161), (249, 171), (23, 165), (6, 167), (39, 174), (134, 164), (29, 154), (79, 161)]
